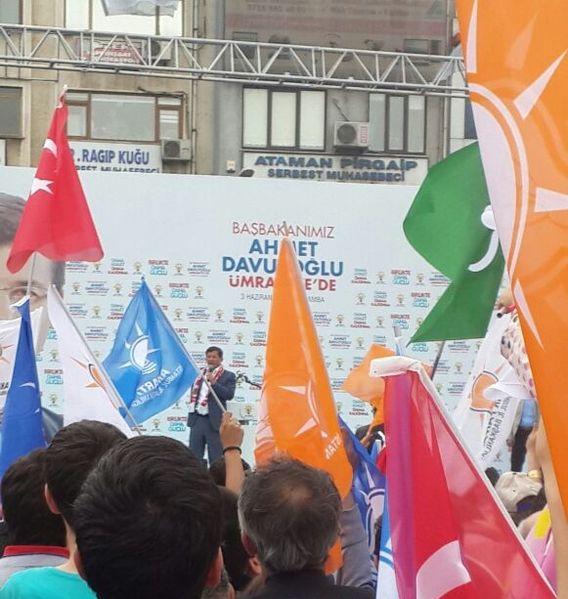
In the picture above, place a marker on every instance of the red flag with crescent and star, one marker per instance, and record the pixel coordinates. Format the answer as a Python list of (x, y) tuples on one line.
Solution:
[(56, 221)]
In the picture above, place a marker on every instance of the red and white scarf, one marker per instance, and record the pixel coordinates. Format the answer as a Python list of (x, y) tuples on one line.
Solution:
[(202, 407)]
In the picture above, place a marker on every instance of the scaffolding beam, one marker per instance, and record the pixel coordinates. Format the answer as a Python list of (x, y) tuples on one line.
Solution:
[(253, 63)]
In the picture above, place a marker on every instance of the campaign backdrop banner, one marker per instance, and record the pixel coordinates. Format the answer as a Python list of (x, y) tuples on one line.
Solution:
[(208, 247)]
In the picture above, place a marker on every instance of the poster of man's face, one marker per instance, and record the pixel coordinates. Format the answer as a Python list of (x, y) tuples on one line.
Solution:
[(13, 286)]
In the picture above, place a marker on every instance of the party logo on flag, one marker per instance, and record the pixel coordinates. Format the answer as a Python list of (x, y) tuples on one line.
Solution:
[(148, 363), (516, 58)]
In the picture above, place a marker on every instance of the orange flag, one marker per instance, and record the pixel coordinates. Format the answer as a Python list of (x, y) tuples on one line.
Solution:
[(370, 389), (516, 56), (297, 413)]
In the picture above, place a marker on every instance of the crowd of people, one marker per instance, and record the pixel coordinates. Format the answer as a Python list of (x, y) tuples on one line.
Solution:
[(99, 515)]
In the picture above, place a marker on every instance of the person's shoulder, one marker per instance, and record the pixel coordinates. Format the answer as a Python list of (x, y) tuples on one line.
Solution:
[(353, 593), (229, 373), (20, 583)]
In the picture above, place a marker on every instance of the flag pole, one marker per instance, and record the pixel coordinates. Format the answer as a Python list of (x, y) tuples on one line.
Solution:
[(398, 346), (31, 274), (437, 359), (188, 355), (102, 371)]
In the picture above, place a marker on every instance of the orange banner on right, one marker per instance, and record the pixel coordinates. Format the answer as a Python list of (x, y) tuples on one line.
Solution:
[(516, 58)]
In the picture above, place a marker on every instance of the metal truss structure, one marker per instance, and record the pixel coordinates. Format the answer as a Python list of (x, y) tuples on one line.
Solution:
[(254, 63)]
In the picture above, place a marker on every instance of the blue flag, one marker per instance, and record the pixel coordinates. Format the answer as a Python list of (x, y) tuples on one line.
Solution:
[(368, 491), (386, 583), (22, 429), (148, 364)]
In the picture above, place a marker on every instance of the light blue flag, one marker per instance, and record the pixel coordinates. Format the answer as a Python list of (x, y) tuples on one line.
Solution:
[(22, 428), (148, 364)]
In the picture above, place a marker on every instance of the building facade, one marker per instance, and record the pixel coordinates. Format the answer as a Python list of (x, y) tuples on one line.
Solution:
[(286, 128)]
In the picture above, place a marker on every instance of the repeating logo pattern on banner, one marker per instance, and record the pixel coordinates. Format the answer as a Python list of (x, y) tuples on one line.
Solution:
[(208, 248)]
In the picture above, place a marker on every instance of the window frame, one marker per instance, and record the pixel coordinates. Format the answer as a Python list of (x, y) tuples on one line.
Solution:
[(269, 145), (157, 109), (20, 14), (156, 17), (21, 133), (404, 150)]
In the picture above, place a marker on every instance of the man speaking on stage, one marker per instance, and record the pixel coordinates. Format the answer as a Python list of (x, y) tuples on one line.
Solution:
[(204, 418)]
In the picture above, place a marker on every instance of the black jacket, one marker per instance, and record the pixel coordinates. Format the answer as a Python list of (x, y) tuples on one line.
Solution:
[(308, 584), (225, 390)]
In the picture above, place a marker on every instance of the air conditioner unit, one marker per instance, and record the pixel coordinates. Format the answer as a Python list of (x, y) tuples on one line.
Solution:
[(176, 149), (351, 135), (163, 50)]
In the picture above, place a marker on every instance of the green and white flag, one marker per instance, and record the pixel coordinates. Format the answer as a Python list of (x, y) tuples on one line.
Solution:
[(451, 224)]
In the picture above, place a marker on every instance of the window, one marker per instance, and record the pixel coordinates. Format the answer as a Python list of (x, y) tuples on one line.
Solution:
[(90, 14), (414, 46), (255, 118), (11, 11), (283, 119), (10, 112), (246, 36), (397, 123), (124, 117)]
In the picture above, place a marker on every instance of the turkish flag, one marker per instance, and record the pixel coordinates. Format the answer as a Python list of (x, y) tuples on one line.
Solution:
[(451, 538), (56, 221)]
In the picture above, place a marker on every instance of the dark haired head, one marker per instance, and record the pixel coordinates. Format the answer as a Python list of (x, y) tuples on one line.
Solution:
[(148, 522), (11, 209), (235, 557), (214, 348), (29, 520), (218, 470), (307, 505), (73, 452)]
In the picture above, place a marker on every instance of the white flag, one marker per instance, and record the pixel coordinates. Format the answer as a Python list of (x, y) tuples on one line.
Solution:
[(140, 7), (9, 332), (486, 412), (88, 394)]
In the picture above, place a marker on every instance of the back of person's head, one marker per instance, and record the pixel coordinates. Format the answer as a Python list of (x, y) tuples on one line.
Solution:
[(235, 556), (73, 452), (289, 514), (218, 470), (148, 523), (11, 210), (29, 520)]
